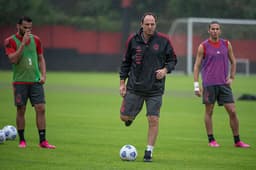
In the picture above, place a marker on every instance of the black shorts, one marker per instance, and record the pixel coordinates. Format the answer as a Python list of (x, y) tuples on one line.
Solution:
[(34, 92), (220, 93), (132, 104)]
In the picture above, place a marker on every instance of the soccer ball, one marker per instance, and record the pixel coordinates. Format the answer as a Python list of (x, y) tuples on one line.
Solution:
[(128, 153), (2, 136), (10, 132)]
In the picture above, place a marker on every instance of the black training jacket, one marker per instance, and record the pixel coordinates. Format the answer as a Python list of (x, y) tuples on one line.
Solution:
[(141, 60)]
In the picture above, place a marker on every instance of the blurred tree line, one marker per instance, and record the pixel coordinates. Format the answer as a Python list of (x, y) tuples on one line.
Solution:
[(107, 14)]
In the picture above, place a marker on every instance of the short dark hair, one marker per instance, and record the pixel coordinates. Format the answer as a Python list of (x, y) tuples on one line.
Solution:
[(24, 18), (148, 13), (213, 22)]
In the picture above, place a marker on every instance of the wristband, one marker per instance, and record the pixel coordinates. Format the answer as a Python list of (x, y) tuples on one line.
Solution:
[(196, 86)]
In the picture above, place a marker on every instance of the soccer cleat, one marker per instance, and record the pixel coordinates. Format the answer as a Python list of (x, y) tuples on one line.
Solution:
[(128, 122), (147, 156), (241, 144), (213, 144), (46, 145), (22, 144)]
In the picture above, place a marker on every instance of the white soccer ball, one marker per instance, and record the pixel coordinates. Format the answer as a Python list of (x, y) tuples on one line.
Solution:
[(128, 153), (10, 132), (2, 136)]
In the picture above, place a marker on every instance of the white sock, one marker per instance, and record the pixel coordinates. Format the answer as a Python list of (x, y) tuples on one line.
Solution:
[(150, 148)]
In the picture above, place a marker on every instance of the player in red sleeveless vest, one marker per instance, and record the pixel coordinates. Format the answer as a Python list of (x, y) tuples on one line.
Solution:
[(25, 52), (213, 57)]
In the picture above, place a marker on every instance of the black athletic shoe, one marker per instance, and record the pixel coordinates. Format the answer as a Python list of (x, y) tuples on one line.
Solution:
[(147, 156), (128, 122)]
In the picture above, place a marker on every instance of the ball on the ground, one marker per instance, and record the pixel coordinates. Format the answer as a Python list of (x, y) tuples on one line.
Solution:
[(2, 136), (128, 153), (10, 132)]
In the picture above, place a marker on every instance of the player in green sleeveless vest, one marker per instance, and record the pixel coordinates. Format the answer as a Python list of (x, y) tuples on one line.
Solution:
[(26, 70), (25, 52)]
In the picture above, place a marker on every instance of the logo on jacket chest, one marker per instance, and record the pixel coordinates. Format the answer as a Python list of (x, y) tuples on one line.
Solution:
[(156, 47)]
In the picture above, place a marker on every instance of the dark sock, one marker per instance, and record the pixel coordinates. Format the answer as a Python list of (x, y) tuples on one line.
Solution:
[(41, 135), (210, 138), (236, 138), (21, 134)]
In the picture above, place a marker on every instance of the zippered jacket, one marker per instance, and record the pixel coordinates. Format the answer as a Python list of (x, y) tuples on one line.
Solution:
[(141, 60)]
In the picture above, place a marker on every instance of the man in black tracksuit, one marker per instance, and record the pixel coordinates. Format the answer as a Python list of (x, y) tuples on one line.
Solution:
[(148, 57)]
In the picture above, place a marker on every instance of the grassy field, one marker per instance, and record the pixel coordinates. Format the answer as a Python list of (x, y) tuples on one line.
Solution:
[(83, 122)]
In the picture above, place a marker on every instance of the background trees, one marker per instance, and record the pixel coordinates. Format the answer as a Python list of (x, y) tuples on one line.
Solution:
[(107, 15)]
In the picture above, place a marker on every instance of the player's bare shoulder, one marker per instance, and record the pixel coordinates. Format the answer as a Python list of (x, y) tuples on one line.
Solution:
[(37, 38)]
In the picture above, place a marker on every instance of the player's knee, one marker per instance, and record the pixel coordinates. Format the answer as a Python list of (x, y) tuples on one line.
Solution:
[(21, 110), (40, 108), (231, 110), (232, 113), (153, 120)]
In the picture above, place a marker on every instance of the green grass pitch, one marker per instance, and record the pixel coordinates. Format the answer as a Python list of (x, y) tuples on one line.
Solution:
[(82, 114)]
